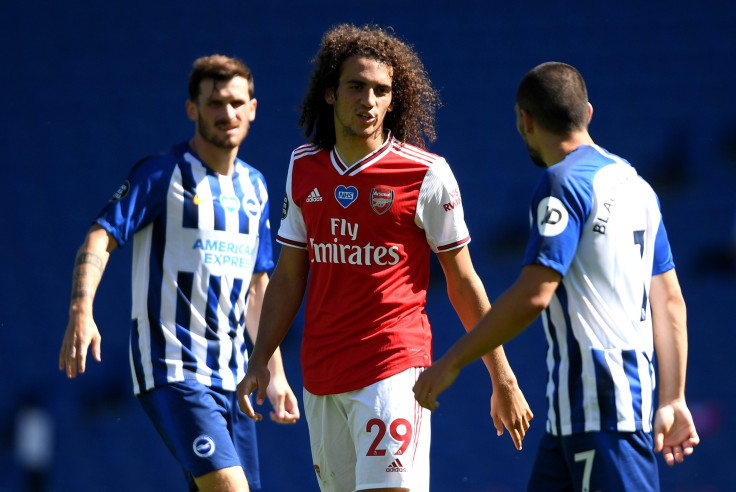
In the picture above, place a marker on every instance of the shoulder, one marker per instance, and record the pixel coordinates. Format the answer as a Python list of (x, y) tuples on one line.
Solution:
[(580, 167), (416, 154), (159, 164), (242, 167), (306, 150)]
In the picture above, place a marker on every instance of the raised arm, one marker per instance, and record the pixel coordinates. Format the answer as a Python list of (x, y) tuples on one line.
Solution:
[(674, 430), (466, 292), (280, 394), (281, 302), (81, 331)]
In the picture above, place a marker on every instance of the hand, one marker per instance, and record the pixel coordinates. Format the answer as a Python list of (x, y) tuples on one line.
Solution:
[(674, 432), (81, 335), (509, 408), (433, 381), (256, 376), (285, 407)]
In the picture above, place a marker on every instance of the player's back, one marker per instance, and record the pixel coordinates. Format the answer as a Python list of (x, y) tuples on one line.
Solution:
[(598, 323)]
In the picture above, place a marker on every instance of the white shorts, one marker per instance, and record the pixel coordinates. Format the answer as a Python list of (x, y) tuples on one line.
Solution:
[(374, 437)]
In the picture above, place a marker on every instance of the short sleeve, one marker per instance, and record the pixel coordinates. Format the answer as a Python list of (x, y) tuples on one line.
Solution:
[(440, 209), (139, 200)]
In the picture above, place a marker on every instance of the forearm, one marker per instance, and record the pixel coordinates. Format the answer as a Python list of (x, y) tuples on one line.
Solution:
[(669, 323), (471, 304), (511, 314), (281, 303), (89, 266)]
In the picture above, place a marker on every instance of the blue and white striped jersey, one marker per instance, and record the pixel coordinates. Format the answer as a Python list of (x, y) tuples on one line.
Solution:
[(598, 223), (198, 239)]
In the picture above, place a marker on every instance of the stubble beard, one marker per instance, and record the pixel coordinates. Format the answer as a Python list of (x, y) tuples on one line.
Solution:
[(535, 157), (209, 134)]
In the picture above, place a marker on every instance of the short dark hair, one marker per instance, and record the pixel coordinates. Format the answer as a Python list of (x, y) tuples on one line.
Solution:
[(220, 68), (554, 94), (414, 100)]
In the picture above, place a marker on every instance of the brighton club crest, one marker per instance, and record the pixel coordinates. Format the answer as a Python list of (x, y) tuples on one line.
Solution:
[(381, 199)]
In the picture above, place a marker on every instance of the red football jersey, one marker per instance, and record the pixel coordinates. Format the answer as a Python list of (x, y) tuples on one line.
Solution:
[(369, 229)]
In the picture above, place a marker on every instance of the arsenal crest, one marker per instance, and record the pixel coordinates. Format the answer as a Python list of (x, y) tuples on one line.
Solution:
[(381, 199)]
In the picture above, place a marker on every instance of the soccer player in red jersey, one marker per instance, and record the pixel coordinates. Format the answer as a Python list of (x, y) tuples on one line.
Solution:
[(365, 205)]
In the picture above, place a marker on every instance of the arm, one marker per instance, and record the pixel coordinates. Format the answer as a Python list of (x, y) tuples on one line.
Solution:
[(516, 309), (81, 332), (283, 401), (674, 430), (281, 302), (468, 297)]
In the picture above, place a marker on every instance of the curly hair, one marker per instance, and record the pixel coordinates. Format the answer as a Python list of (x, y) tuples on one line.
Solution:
[(414, 100)]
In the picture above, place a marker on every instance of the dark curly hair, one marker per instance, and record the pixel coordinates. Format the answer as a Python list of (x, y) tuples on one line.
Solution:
[(414, 100)]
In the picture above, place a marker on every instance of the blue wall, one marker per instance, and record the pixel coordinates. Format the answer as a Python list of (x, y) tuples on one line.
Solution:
[(90, 87)]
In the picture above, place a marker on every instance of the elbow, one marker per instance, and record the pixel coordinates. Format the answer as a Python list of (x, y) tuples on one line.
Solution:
[(538, 303)]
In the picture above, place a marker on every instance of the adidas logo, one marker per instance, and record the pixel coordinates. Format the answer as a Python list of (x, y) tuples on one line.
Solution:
[(314, 196), (396, 466)]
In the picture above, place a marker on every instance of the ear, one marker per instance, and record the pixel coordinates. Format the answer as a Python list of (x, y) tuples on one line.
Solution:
[(527, 121), (590, 112), (330, 96), (192, 112), (253, 104)]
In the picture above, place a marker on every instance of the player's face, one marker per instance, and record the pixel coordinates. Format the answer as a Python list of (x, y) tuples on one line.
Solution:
[(361, 100), (534, 154), (223, 112)]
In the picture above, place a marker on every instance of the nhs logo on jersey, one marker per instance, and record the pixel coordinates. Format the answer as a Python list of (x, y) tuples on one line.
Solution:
[(229, 203), (232, 204), (346, 195)]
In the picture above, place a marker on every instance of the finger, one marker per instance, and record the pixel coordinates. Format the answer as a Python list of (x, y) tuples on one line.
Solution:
[(658, 442), (284, 417), (261, 395), (247, 408), (668, 456), (687, 449), (292, 407), (517, 438), (245, 388), (62, 361), (679, 457), (81, 359), (430, 402), (498, 424), (279, 414), (97, 349), (689, 445), (522, 430), (71, 363)]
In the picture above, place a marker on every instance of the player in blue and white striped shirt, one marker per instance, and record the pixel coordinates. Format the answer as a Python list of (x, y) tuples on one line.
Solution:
[(599, 269), (198, 217)]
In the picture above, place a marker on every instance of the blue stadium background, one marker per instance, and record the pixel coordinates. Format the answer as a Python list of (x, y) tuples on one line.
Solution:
[(90, 87)]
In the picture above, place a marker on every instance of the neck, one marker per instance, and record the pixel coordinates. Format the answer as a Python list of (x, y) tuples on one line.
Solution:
[(556, 148), (353, 149), (220, 160)]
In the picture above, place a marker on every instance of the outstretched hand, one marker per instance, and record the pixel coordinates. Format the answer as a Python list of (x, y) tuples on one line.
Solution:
[(674, 432)]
